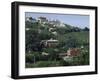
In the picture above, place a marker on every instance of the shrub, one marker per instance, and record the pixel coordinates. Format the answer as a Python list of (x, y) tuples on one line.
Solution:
[(31, 58), (64, 63)]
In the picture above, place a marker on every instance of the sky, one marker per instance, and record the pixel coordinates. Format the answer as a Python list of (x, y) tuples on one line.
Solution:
[(71, 19)]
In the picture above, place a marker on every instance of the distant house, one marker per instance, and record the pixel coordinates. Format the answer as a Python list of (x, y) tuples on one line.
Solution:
[(27, 29), (44, 53), (56, 23), (30, 19), (27, 19), (73, 52), (55, 33), (49, 43), (62, 54), (62, 25), (42, 20)]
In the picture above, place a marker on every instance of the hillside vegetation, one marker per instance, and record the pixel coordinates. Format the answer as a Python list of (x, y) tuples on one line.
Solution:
[(37, 55)]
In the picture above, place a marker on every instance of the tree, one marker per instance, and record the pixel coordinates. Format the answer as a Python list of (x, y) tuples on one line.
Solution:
[(71, 42), (32, 40), (86, 29), (44, 35)]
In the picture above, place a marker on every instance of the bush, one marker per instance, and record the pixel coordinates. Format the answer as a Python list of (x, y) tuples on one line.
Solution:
[(64, 63), (33, 57)]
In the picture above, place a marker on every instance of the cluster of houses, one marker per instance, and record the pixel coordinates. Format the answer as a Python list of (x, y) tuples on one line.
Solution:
[(43, 21)]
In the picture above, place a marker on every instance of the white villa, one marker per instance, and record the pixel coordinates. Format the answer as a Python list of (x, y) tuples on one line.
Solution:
[(50, 43)]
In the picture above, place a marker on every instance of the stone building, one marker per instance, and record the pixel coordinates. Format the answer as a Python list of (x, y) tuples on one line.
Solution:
[(50, 43)]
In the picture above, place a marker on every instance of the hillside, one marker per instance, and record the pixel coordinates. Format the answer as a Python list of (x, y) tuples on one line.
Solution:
[(48, 43)]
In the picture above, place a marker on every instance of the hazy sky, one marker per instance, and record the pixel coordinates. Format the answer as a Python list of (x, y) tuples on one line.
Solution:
[(71, 19)]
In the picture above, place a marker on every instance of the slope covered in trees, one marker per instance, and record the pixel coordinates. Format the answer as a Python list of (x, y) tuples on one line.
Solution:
[(37, 55)]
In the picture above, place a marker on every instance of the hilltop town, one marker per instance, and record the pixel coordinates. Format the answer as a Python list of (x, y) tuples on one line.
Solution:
[(43, 21)]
